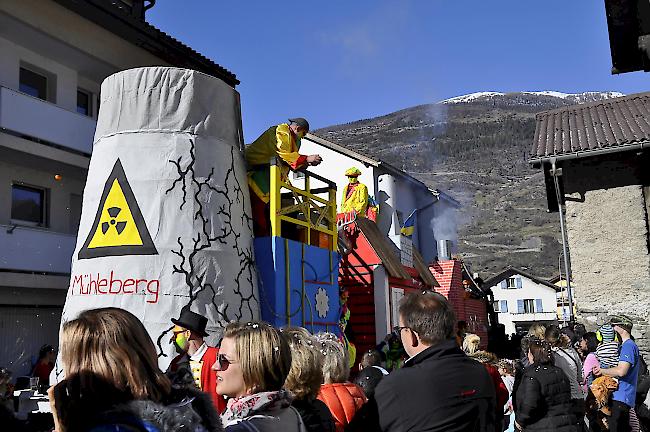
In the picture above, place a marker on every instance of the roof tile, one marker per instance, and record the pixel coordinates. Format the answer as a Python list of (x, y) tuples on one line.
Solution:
[(605, 124)]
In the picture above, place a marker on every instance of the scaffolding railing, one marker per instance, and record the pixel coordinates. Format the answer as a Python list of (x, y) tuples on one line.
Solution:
[(312, 214)]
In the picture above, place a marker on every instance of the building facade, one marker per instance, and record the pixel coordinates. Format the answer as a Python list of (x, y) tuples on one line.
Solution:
[(397, 193), (599, 152), (55, 54), (521, 299)]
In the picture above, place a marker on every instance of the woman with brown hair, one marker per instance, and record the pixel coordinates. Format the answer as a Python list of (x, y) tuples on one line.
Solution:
[(544, 395), (252, 366), (113, 380), (305, 378)]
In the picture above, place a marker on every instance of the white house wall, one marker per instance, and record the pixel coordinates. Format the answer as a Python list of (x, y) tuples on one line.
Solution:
[(529, 290), (394, 193)]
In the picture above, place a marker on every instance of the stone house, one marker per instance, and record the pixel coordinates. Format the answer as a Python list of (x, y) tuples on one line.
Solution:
[(595, 162)]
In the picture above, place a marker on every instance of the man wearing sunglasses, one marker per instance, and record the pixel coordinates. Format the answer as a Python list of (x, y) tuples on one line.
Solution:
[(193, 365)]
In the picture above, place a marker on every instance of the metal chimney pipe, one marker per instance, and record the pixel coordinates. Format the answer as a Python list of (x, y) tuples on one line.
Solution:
[(444, 249)]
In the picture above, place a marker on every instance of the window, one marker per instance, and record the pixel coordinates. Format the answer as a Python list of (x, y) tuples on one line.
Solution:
[(500, 306), (28, 205), (511, 283), (32, 83), (84, 103), (529, 306)]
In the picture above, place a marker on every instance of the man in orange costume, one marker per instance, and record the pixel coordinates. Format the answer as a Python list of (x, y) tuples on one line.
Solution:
[(282, 141), (193, 365)]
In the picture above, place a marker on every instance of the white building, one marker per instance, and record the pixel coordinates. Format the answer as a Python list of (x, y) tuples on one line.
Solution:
[(55, 54), (521, 299), (396, 192)]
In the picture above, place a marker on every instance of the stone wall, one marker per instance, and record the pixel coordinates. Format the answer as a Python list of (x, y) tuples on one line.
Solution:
[(608, 239)]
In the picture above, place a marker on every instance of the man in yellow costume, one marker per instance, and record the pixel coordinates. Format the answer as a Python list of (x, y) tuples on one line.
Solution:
[(282, 141), (355, 194)]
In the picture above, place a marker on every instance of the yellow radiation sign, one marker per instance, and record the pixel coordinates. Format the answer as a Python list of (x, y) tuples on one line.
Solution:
[(119, 228)]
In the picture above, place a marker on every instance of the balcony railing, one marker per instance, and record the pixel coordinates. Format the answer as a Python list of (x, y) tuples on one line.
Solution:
[(35, 250), (305, 208), (534, 316), (26, 115)]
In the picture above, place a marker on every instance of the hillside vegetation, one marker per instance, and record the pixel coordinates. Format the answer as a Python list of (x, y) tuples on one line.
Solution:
[(476, 148)]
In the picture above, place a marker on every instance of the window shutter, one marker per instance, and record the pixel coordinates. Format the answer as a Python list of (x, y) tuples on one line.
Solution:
[(520, 306), (518, 282), (504, 305), (504, 284), (538, 306)]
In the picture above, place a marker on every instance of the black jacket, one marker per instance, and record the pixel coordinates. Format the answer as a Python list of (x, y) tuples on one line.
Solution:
[(440, 389), (315, 415), (84, 403), (544, 400)]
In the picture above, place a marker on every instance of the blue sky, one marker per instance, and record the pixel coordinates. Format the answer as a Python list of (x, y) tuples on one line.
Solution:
[(338, 61)]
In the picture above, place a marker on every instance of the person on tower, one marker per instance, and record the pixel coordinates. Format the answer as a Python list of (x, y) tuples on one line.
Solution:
[(193, 365), (282, 141), (355, 194)]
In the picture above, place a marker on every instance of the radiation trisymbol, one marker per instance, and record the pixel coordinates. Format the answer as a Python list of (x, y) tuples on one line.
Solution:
[(119, 227)]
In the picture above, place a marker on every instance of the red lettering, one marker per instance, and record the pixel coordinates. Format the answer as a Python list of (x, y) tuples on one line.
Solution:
[(93, 284), (152, 291), (110, 287), (78, 280), (101, 283), (86, 284), (128, 283)]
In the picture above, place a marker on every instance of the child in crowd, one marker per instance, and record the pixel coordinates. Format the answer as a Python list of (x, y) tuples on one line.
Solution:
[(607, 351)]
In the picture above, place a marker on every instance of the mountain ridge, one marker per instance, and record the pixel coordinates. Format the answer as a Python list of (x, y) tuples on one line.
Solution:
[(476, 148)]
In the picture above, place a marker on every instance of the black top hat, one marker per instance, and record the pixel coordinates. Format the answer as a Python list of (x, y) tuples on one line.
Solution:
[(192, 321)]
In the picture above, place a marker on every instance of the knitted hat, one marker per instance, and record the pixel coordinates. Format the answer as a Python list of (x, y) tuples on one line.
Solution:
[(607, 332)]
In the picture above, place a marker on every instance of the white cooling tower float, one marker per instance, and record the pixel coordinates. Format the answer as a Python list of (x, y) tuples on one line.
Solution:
[(165, 223)]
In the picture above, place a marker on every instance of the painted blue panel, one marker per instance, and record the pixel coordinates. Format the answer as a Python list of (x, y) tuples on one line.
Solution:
[(313, 284)]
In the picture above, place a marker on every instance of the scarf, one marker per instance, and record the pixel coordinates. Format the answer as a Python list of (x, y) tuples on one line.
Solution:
[(239, 409)]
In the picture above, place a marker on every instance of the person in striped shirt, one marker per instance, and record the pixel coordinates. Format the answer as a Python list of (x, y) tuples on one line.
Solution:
[(607, 351)]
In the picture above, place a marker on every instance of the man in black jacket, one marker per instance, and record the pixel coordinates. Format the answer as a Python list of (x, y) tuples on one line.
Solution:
[(439, 388)]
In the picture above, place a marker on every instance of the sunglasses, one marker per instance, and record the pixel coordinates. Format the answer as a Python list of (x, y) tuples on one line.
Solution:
[(223, 362)]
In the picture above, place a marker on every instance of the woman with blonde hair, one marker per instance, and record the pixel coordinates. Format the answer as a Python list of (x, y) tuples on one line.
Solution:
[(113, 380), (252, 366), (343, 398), (305, 378)]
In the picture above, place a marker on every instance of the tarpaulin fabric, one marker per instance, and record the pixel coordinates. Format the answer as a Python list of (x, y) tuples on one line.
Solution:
[(165, 221)]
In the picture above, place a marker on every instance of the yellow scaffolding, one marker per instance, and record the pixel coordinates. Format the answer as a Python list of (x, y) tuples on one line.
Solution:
[(305, 209)]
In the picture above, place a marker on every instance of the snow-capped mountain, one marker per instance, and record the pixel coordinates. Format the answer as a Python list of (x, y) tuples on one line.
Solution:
[(570, 97)]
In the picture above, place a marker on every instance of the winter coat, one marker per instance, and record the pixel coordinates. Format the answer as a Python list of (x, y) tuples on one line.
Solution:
[(439, 389), (315, 415), (569, 361), (544, 400), (262, 412), (183, 409), (343, 401)]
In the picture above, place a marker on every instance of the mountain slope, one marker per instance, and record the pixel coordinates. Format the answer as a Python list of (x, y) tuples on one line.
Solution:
[(476, 147)]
